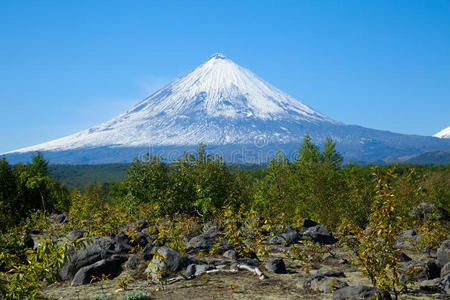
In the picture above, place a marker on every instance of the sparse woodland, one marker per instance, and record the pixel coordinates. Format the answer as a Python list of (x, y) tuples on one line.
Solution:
[(171, 223)]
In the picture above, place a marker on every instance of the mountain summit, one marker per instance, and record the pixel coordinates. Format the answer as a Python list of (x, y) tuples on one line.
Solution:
[(444, 133), (229, 108)]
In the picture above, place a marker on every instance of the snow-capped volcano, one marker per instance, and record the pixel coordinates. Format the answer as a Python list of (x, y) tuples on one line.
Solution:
[(444, 133), (233, 111), (218, 103)]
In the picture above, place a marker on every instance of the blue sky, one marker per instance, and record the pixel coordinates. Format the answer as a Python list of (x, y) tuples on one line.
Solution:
[(69, 65)]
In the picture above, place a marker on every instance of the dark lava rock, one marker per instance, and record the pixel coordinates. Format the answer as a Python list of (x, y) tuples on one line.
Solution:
[(168, 259), (101, 248), (231, 254), (432, 285), (443, 253), (132, 262), (445, 270), (404, 258), (421, 270), (276, 265), (326, 285), (320, 234), (277, 240), (427, 210), (445, 285), (109, 266), (59, 218), (291, 237), (196, 270), (206, 241), (360, 292), (407, 238)]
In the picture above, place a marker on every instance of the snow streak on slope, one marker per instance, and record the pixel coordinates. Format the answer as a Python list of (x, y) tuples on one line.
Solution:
[(218, 103), (444, 134)]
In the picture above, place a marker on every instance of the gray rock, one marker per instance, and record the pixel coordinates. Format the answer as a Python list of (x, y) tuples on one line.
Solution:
[(320, 234), (167, 259), (277, 240), (109, 266), (443, 253), (76, 234), (196, 270), (253, 262), (122, 243), (101, 248), (148, 251), (206, 241), (307, 223), (326, 285), (276, 265), (360, 292), (421, 270), (407, 239), (291, 237), (404, 258), (59, 218), (136, 226), (445, 285), (326, 273), (432, 285), (445, 270), (231, 254), (132, 262), (427, 210)]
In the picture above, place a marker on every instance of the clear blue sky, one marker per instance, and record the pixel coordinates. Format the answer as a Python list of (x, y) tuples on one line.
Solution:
[(69, 65)]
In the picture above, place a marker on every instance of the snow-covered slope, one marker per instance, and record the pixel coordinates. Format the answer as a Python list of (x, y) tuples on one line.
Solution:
[(443, 134), (234, 112), (218, 103)]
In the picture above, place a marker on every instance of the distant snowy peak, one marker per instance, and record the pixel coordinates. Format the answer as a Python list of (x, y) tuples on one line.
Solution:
[(443, 134), (222, 88), (217, 103)]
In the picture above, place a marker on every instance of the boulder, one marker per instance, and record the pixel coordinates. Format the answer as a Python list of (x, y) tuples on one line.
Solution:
[(291, 237), (109, 266), (443, 253), (167, 260), (445, 285), (276, 265), (419, 270), (196, 270), (407, 239), (207, 240), (320, 234), (122, 243), (136, 226), (148, 251), (432, 285), (307, 223), (277, 240), (132, 263), (427, 210), (360, 292), (326, 285), (404, 258), (59, 218), (445, 270), (101, 248), (231, 254)]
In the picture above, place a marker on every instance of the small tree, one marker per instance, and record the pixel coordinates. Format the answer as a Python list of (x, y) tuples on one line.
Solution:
[(374, 247)]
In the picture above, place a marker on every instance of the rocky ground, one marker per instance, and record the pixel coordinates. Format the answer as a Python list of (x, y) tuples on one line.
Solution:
[(226, 276)]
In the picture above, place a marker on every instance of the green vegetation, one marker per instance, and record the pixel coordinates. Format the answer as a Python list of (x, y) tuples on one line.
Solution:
[(367, 205)]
